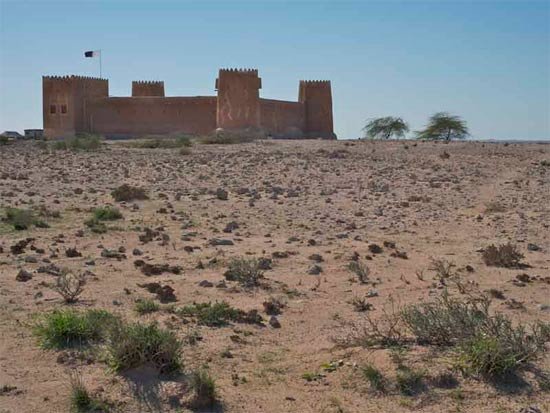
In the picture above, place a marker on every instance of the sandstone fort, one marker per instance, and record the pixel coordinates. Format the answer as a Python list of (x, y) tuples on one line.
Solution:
[(75, 104)]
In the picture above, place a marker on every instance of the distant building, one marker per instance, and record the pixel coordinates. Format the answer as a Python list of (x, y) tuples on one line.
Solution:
[(34, 133), (74, 104), (11, 135)]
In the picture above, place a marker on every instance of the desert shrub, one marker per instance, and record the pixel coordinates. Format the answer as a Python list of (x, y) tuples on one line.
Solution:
[(161, 142), (410, 381), (374, 377), (217, 314), (107, 213), (273, 305), (230, 137), (146, 306), (505, 255), (501, 348), (22, 219), (96, 226), (69, 286), (185, 151), (361, 270), (445, 321), (80, 142), (387, 330), (245, 271), (360, 304), (81, 401), (128, 193), (4, 140), (132, 345), (68, 327), (494, 207), (442, 268), (489, 345), (203, 387)]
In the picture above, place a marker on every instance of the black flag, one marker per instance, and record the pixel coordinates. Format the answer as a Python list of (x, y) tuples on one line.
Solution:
[(91, 53)]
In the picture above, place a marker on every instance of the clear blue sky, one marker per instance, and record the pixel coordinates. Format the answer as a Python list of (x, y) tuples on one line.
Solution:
[(488, 61)]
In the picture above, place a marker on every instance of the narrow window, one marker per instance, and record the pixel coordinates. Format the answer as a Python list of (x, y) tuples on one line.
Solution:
[(63, 108), (52, 108)]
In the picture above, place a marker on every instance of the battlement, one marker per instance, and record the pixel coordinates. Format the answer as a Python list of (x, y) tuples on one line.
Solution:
[(315, 82), (253, 72), (72, 77), (147, 88)]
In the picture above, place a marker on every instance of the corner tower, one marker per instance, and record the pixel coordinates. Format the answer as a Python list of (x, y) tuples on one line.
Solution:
[(238, 99), (147, 88), (64, 103), (316, 95)]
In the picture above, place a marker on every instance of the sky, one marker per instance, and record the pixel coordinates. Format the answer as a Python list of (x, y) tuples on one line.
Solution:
[(487, 61)]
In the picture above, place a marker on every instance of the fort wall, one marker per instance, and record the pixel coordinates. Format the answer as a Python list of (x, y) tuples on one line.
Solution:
[(140, 116), (76, 104), (281, 118)]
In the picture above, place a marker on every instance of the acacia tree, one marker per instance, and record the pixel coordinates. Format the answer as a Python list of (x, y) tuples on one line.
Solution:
[(444, 126), (385, 128)]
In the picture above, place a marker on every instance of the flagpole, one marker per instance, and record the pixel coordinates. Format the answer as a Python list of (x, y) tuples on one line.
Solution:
[(100, 68)]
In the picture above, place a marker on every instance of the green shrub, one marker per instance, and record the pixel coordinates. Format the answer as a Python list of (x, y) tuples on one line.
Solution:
[(445, 321), (22, 219), (128, 193), (506, 255), (486, 356), (489, 345), (146, 306), (374, 377), (162, 142), (245, 271), (132, 345), (96, 226), (107, 213), (203, 387), (185, 151), (80, 399), (80, 142), (68, 327), (217, 314), (410, 381), (230, 137), (4, 140)]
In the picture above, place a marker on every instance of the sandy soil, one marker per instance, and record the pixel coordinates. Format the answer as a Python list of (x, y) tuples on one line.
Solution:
[(300, 198)]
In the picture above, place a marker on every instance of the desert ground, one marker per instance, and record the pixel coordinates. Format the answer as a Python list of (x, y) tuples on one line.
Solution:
[(414, 217)]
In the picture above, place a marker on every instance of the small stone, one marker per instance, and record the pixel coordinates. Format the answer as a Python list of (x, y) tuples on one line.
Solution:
[(533, 247), (23, 276), (221, 194), (137, 252), (274, 322), (315, 270), (206, 284)]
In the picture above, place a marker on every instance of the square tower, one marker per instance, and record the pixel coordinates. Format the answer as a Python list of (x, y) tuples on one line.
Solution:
[(238, 99)]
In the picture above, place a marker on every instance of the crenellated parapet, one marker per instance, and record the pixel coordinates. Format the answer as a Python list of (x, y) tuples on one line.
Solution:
[(147, 88)]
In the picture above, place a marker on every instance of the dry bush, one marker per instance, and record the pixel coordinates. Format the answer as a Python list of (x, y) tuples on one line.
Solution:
[(361, 270), (247, 272), (69, 286), (128, 193), (387, 330), (505, 255)]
